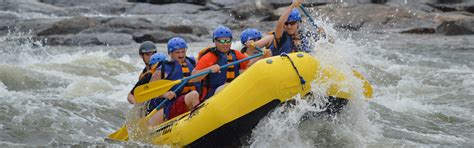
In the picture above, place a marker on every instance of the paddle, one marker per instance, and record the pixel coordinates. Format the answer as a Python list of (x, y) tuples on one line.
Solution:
[(310, 18), (157, 88), (122, 133)]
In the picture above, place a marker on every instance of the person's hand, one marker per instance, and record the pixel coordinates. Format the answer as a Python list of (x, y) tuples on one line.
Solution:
[(267, 53), (250, 45), (169, 95), (215, 68), (297, 3)]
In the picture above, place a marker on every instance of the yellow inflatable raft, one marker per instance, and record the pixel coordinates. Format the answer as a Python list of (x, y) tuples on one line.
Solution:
[(236, 110)]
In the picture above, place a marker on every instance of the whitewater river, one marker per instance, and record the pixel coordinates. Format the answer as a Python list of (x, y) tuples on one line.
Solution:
[(76, 96)]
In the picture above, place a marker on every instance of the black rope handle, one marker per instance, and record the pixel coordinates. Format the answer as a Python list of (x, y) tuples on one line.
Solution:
[(302, 81)]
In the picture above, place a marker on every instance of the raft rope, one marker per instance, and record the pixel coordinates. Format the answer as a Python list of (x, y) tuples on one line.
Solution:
[(302, 81)]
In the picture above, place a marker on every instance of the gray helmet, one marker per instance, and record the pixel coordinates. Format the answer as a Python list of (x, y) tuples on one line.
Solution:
[(147, 47)]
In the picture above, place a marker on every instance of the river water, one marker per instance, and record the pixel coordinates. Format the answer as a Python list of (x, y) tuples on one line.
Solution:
[(76, 96)]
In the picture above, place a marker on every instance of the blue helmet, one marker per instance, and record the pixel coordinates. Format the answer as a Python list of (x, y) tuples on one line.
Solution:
[(295, 15), (249, 34), (176, 43), (222, 31), (157, 57)]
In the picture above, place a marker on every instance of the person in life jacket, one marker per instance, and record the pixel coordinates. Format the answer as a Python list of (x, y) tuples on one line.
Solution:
[(146, 50), (178, 67), (249, 34), (155, 61), (212, 58), (288, 36)]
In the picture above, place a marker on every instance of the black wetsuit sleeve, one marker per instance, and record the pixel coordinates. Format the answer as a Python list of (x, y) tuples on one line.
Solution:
[(142, 81)]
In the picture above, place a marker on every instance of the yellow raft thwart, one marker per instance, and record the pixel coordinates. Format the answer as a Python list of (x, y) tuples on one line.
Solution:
[(236, 110)]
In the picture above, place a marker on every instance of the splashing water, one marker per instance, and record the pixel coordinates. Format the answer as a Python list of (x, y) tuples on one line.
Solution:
[(75, 96)]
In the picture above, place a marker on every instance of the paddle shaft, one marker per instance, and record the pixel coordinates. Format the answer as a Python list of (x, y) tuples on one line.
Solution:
[(166, 99), (310, 18), (222, 67), (185, 80), (307, 15), (144, 92)]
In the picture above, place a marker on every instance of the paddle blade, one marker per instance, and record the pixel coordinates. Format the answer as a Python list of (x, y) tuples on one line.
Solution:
[(153, 89), (120, 135)]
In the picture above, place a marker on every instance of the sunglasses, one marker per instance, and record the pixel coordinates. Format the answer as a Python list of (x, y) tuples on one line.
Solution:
[(224, 41), (290, 23)]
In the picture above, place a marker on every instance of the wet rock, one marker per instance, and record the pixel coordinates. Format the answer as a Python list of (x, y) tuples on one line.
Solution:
[(378, 1), (6, 20), (115, 38), (207, 19), (452, 6), (86, 39), (450, 1), (64, 3), (187, 29), (31, 6), (161, 36), (112, 9), (30, 26), (80, 11), (249, 9), (211, 6), (455, 24), (130, 22), (77, 7), (177, 8), (154, 36), (420, 31), (69, 26), (199, 2), (223, 3), (7, 16), (372, 16), (68, 40), (285, 3), (105, 29), (277, 13)]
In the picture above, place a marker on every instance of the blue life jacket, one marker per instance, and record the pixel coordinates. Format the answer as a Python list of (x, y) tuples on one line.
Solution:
[(214, 80), (285, 44), (174, 72)]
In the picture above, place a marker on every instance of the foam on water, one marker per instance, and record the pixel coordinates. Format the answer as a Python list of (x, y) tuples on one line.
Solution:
[(55, 95), (353, 127), (68, 96)]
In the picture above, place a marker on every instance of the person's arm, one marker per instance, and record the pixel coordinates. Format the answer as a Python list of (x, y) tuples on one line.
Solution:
[(131, 98), (204, 64), (214, 68), (144, 80), (266, 53), (157, 74), (262, 43), (284, 16), (244, 65)]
